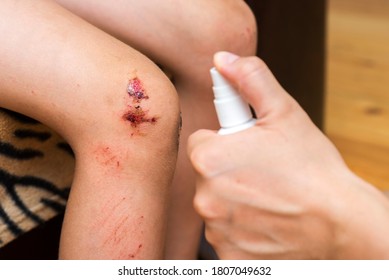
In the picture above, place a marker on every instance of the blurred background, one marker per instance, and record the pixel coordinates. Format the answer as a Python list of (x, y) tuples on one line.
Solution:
[(356, 116)]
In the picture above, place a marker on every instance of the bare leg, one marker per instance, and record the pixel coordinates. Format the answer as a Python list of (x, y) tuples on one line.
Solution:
[(73, 77), (182, 36)]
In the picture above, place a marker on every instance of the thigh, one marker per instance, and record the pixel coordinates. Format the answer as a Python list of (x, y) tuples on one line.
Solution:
[(179, 34)]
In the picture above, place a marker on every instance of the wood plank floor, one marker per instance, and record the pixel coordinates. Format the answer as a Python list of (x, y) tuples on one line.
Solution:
[(357, 97)]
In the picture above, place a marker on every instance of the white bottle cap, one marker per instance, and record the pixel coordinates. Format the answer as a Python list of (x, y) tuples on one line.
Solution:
[(233, 112)]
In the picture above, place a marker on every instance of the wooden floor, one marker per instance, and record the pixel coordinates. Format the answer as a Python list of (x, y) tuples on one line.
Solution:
[(357, 99)]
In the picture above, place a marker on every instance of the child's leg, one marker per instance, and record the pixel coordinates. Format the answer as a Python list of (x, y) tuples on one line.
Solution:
[(117, 110), (182, 36)]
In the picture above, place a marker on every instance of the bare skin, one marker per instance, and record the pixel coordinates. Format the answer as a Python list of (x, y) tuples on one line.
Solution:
[(182, 37), (281, 190), (73, 77)]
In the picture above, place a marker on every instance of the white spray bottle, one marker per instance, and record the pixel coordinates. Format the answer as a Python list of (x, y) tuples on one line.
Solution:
[(233, 112)]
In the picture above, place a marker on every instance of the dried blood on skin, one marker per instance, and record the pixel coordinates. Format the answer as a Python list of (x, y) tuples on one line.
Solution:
[(136, 91), (136, 116)]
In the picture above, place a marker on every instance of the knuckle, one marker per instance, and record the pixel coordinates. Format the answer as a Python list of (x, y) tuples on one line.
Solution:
[(253, 72), (253, 66), (201, 205), (212, 237), (207, 206), (202, 158), (217, 236), (198, 157)]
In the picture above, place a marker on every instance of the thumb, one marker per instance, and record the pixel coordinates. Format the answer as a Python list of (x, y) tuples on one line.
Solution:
[(254, 81)]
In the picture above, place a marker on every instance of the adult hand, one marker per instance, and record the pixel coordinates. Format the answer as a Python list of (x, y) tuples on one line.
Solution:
[(280, 190)]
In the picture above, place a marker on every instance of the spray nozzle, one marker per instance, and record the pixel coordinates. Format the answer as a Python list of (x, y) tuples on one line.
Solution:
[(233, 112)]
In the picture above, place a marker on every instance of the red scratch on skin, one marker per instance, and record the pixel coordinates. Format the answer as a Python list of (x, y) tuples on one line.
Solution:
[(140, 246), (117, 242), (109, 208), (132, 256), (118, 232), (117, 227), (107, 157)]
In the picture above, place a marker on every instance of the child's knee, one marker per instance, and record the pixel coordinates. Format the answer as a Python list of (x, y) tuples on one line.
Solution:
[(238, 29), (134, 104), (223, 26), (232, 27)]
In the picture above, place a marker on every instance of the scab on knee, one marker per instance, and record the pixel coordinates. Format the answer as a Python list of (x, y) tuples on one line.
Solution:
[(136, 114), (151, 106)]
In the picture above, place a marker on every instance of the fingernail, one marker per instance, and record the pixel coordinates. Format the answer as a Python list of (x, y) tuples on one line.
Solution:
[(225, 58)]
